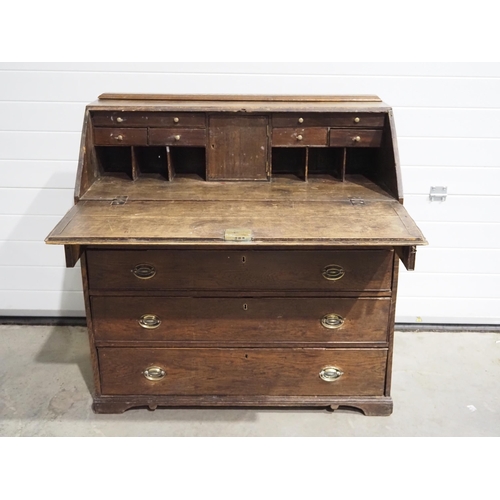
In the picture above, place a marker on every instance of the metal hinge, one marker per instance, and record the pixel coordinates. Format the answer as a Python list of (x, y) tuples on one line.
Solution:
[(438, 193)]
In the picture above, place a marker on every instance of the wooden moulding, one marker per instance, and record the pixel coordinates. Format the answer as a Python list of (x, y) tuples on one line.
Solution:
[(216, 97), (371, 406)]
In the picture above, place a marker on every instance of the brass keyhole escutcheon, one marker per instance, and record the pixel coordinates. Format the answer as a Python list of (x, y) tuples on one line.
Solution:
[(333, 272), (245, 307)]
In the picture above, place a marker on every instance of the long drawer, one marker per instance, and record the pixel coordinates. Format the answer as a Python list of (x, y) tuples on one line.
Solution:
[(240, 321), (340, 372), (240, 270)]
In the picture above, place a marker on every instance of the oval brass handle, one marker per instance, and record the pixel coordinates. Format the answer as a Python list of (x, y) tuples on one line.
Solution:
[(176, 120), (119, 137), (357, 119), (356, 139), (333, 272), (154, 373), (299, 137), (119, 119), (177, 137), (144, 271), (330, 374), (332, 321), (149, 321)]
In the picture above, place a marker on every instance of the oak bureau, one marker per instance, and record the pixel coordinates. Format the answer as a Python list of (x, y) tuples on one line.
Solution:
[(239, 250)]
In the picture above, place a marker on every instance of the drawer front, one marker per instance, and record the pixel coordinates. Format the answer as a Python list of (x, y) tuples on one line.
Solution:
[(336, 270), (242, 371), (120, 136), (242, 320), (355, 138), (371, 120), (147, 119), (299, 136), (177, 137)]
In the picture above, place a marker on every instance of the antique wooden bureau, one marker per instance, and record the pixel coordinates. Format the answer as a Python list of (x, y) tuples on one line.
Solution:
[(239, 250)]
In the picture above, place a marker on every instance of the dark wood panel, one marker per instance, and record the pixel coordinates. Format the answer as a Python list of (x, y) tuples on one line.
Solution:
[(240, 270), (299, 137), (177, 137), (239, 320), (247, 158), (147, 119), (372, 120), (355, 138), (120, 136), (243, 371)]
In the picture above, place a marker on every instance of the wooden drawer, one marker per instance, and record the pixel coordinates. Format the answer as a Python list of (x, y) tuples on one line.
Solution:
[(362, 120), (242, 371), (240, 320), (299, 137), (177, 137), (147, 119), (120, 136), (240, 270), (355, 138)]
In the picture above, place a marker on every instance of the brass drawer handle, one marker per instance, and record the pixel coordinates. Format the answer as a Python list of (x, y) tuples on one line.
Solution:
[(154, 373), (144, 271), (330, 374), (332, 321), (149, 321), (333, 272)]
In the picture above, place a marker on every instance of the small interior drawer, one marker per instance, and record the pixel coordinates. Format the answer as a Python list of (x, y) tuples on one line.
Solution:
[(357, 120), (147, 119), (349, 372), (299, 137), (355, 138), (177, 137), (120, 136)]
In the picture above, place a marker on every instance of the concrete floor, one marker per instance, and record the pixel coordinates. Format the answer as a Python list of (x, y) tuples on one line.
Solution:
[(444, 384)]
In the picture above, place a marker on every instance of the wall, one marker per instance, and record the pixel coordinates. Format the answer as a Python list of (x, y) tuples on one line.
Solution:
[(448, 123)]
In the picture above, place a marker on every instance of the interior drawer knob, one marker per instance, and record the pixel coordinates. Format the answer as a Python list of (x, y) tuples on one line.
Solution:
[(119, 119), (176, 120), (330, 374), (149, 321), (154, 373), (356, 138), (119, 137), (333, 272), (300, 137), (332, 321), (177, 137), (301, 120), (357, 119), (144, 271)]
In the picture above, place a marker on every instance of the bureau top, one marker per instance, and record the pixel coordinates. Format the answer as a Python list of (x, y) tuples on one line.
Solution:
[(243, 103)]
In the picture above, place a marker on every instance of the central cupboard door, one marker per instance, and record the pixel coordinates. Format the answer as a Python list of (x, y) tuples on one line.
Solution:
[(238, 148)]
